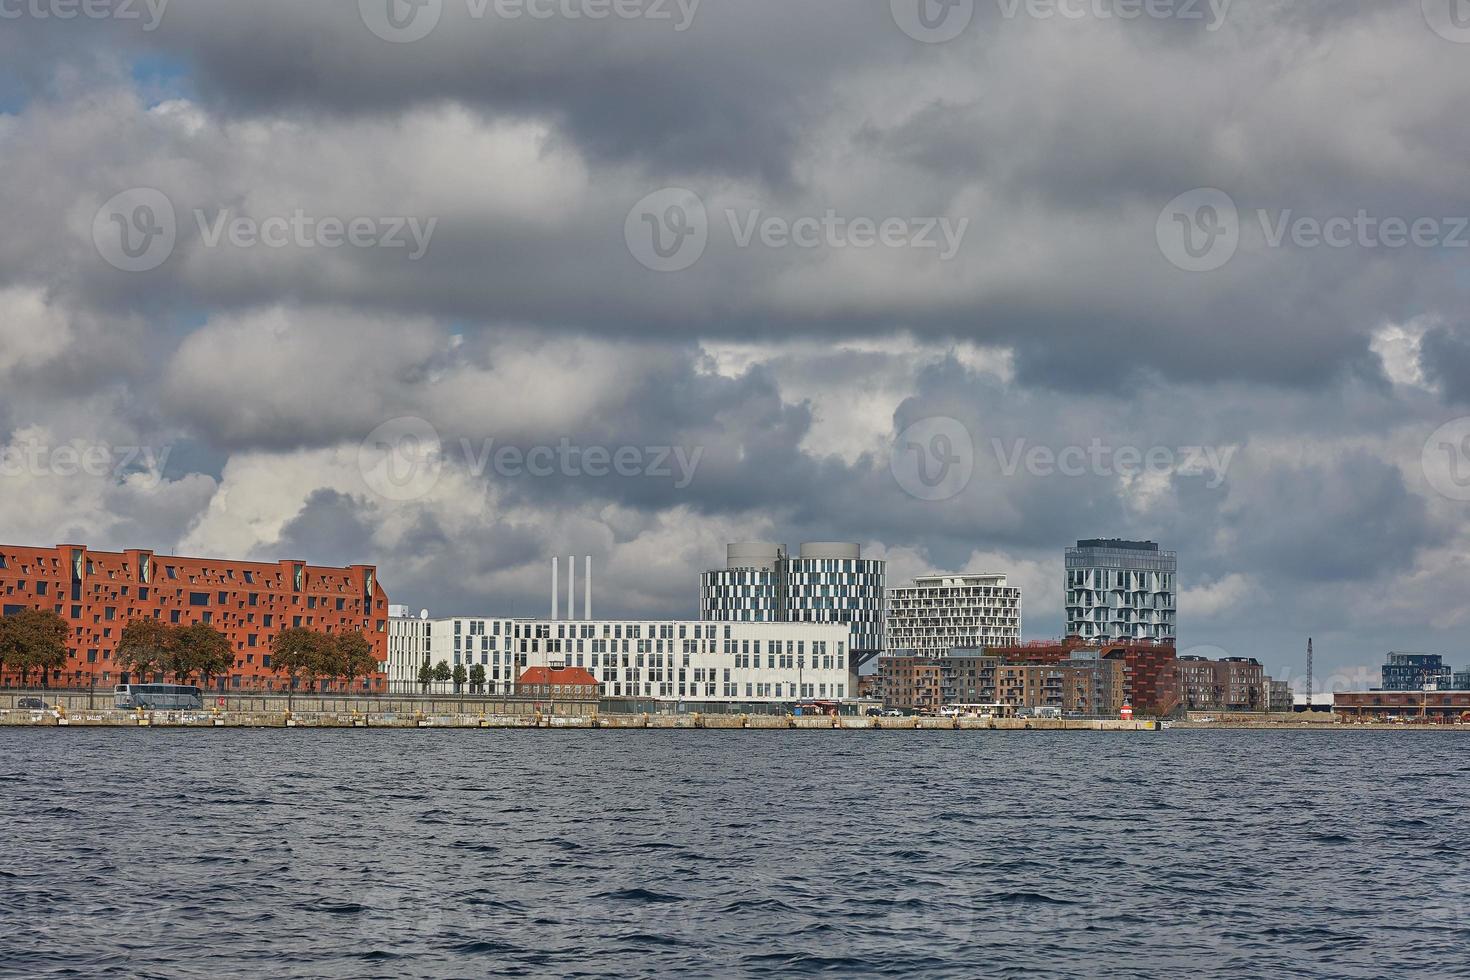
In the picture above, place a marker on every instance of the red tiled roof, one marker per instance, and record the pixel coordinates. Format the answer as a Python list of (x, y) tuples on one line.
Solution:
[(564, 677)]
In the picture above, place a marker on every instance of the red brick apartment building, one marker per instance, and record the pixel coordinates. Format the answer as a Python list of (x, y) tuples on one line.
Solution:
[(1150, 678), (100, 592), (912, 683)]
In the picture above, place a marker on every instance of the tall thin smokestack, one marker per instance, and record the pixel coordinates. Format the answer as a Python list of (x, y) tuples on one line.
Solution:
[(555, 588), (588, 607), (572, 587)]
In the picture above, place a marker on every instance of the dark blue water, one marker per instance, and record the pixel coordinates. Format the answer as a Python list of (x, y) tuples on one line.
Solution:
[(641, 854)]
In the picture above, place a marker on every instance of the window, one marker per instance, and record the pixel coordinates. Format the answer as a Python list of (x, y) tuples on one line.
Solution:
[(198, 598)]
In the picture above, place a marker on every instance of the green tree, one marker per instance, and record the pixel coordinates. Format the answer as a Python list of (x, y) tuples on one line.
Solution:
[(426, 675), (355, 655), (442, 672), (34, 640), (300, 652), (145, 649), (461, 677), (200, 649), (477, 678)]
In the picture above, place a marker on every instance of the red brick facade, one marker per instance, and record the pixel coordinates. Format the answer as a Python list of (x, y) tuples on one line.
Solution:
[(1150, 675), (98, 593)]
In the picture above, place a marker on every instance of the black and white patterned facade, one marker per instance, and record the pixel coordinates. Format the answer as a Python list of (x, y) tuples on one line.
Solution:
[(824, 583)]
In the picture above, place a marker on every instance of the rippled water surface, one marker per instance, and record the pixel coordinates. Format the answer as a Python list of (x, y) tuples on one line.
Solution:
[(705, 853)]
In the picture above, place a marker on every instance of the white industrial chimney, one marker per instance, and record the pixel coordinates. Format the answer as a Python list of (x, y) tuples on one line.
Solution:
[(555, 588), (587, 613), (572, 587)]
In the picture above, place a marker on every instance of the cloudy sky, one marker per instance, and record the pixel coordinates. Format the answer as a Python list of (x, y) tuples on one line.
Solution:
[(453, 286)]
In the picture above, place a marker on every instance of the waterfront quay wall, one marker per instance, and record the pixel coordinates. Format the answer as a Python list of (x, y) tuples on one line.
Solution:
[(590, 719)]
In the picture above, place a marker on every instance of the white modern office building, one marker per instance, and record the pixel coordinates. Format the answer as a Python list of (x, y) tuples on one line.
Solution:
[(940, 613), (659, 660), (1121, 590), (823, 583)]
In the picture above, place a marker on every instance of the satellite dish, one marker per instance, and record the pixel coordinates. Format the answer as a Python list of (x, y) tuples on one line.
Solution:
[(423, 614)]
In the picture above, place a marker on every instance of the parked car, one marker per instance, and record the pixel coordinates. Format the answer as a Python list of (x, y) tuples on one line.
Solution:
[(893, 713), (874, 712)]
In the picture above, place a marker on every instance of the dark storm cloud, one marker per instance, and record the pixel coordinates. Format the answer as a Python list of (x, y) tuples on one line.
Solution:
[(1445, 358)]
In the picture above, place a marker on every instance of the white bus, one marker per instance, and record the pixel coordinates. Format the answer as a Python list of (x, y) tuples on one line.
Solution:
[(158, 697)]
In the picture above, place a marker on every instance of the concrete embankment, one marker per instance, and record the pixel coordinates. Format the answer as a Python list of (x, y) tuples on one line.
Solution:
[(85, 718)]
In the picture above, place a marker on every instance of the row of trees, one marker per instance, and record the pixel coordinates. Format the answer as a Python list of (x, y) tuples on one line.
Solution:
[(303, 653), (33, 640), (441, 672), (36, 641), (149, 647)]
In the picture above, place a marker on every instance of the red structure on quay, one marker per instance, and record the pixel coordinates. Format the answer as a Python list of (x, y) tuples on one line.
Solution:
[(99, 592)]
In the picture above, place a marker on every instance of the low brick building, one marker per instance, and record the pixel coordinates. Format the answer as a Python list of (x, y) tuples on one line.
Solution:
[(1438, 707), (558, 684)]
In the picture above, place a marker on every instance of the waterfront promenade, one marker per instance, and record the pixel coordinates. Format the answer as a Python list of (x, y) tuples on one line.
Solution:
[(590, 719)]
